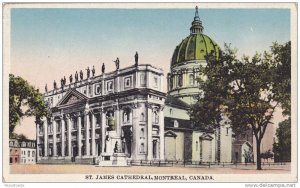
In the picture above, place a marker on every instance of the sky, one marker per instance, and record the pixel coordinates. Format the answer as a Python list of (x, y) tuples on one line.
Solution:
[(47, 44)]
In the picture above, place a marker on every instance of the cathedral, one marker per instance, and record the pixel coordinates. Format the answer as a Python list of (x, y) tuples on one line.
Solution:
[(124, 115)]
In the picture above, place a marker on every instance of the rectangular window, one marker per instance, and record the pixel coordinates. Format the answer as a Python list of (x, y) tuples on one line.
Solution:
[(143, 80), (98, 89), (127, 82), (90, 89), (109, 86), (155, 84)]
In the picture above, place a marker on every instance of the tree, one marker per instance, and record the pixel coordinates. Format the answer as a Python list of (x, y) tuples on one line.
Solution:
[(267, 155), (282, 74), (244, 90), (18, 136), (24, 96), (282, 148)]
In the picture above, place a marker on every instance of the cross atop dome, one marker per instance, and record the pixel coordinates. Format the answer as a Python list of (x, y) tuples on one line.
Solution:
[(196, 24), (196, 13)]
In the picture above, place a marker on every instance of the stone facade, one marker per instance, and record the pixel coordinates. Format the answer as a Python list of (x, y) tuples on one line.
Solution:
[(96, 118)]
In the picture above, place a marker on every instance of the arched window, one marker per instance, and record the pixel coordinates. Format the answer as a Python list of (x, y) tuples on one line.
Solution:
[(191, 79), (126, 115), (176, 123), (171, 111), (28, 153), (142, 149), (197, 145), (180, 80), (142, 132), (155, 117), (142, 118)]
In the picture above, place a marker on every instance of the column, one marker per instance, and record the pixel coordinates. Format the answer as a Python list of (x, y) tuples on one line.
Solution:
[(103, 124), (69, 135), (79, 135), (37, 142), (93, 134), (45, 138), (54, 138), (149, 134), (87, 133), (161, 134), (62, 137)]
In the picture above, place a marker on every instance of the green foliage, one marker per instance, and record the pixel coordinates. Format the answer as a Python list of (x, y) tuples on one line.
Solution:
[(247, 91), (248, 155), (282, 74), (24, 101), (267, 155), (282, 148), (18, 136)]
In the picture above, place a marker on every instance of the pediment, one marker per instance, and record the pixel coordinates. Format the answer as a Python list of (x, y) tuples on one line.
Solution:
[(206, 137), (72, 97), (170, 134)]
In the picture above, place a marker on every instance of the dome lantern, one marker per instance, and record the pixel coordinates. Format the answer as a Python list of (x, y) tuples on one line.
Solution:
[(196, 24)]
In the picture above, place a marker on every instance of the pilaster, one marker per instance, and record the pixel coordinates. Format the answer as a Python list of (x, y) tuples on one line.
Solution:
[(161, 134), (149, 133)]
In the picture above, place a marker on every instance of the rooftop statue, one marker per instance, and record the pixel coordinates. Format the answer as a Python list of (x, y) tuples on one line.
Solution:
[(93, 71), (81, 74), (136, 58), (65, 80), (54, 85), (76, 76), (103, 68), (46, 89), (62, 82), (71, 78), (88, 72), (117, 62)]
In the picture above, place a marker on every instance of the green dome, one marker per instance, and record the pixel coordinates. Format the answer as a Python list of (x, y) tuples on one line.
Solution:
[(194, 47)]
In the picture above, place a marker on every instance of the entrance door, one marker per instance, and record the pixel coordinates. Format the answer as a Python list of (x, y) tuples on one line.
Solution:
[(74, 153), (154, 149)]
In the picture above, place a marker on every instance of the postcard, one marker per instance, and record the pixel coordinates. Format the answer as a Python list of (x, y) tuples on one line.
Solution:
[(150, 92)]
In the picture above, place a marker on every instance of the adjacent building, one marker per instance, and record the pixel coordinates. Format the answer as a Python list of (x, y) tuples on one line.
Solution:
[(22, 151)]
